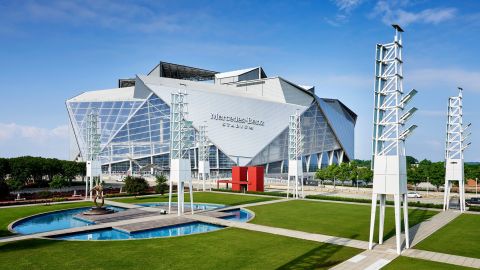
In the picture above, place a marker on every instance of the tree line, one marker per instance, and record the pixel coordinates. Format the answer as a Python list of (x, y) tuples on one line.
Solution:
[(27, 171), (417, 172)]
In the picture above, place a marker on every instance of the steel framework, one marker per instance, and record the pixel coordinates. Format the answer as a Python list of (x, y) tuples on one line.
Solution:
[(203, 155), (389, 162), (295, 152), (92, 138), (454, 147), (181, 134)]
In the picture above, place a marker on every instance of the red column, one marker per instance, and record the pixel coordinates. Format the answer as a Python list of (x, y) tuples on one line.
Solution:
[(255, 179)]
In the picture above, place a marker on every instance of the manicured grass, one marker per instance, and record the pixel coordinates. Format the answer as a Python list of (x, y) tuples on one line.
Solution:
[(223, 249), (336, 219), (406, 263), (459, 237), (8, 215), (202, 197)]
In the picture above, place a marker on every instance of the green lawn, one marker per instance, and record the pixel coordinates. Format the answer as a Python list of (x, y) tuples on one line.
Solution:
[(224, 249), (203, 197), (405, 263), (336, 219), (8, 215), (459, 237)]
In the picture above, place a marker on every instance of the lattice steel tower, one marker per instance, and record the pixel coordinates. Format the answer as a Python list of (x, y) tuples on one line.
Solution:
[(389, 162), (454, 147), (181, 136), (92, 150), (295, 152), (203, 155)]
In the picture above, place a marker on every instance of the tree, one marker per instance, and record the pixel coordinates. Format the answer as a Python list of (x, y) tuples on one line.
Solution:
[(4, 189), (14, 183), (161, 186), (410, 161), (135, 185), (70, 170), (58, 181), (4, 168), (364, 173)]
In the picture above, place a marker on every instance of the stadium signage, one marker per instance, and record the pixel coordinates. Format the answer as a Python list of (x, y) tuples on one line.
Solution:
[(237, 121)]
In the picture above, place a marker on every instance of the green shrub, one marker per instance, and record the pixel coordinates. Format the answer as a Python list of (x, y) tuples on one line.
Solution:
[(135, 185), (474, 208), (359, 200), (44, 194), (269, 193), (341, 199), (161, 186), (58, 181)]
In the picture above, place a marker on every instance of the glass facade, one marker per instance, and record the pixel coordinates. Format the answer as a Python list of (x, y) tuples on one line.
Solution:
[(137, 131), (318, 138)]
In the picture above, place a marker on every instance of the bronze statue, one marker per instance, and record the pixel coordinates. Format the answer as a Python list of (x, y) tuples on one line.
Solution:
[(98, 195), (99, 209)]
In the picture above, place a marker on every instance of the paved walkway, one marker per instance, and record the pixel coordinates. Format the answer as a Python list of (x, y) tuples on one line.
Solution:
[(381, 255), (284, 232), (442, 258)]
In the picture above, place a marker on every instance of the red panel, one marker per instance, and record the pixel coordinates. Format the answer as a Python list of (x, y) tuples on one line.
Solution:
[(255, 179), (238, 174)]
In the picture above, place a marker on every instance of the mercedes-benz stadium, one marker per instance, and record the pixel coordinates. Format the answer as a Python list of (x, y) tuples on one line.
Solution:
[(246, 114)]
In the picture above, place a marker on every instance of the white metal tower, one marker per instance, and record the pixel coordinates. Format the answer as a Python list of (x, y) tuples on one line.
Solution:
[(203, 155), (92, 143), (295, 151), (389, 162), (454, 147), (181, 136)]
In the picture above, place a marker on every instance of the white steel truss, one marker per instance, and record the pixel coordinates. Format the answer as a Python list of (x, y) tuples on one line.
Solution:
[(454, 147), (295, 152), (203, 155), (389, 162), (181, 134), (92, 137)]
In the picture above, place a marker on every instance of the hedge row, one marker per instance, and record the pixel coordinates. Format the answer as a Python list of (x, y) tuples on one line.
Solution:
[(358, 200)]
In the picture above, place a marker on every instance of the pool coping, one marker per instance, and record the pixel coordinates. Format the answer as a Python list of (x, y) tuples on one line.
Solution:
[(13, 223), (224, 208)]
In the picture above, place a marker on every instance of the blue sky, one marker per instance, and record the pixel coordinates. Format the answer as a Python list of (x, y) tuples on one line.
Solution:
[(53, 50)]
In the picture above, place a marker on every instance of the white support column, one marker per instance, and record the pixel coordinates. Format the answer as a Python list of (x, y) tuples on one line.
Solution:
[(454, 148), (181, 135), (405, 220), (92, 138), (372, 220), (389, 135), (295, 155), (330, 157), (382, 218), (398, 224)]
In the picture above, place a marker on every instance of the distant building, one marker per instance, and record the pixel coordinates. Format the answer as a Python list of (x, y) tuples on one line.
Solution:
[(247, 115)]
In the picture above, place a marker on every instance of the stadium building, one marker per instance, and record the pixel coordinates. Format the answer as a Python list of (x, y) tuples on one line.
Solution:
[(247, 114)]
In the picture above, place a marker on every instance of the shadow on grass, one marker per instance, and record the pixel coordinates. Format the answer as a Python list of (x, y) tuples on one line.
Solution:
[(415, 217), (317, 258), (5, 232), (27, 244)]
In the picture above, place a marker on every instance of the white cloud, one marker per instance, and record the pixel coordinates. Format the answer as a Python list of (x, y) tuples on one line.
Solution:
[(116, 15), (448, 78), (34, 134), (345, 7), (395, 12)]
